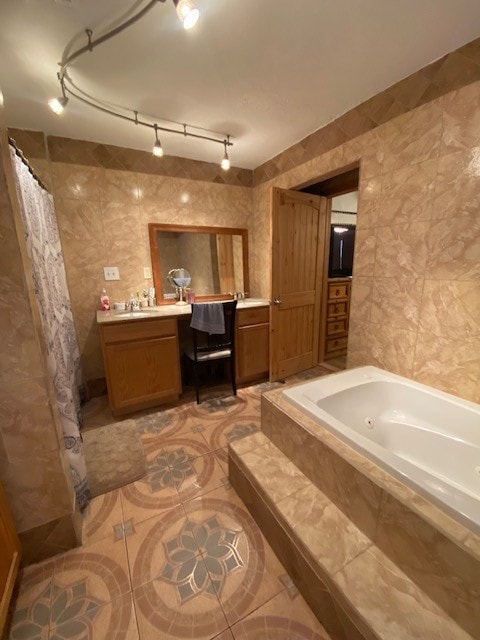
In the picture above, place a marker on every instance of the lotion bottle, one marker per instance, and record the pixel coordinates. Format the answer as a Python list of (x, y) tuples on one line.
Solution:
[(105, 301)]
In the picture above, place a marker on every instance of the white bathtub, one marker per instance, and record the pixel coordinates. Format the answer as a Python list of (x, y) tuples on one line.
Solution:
[(428, 439)]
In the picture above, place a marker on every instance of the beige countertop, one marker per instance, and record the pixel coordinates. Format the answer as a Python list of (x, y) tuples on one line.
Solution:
[(167, 311)]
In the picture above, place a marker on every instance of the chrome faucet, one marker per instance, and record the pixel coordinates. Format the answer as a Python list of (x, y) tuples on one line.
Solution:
[(237, 295)]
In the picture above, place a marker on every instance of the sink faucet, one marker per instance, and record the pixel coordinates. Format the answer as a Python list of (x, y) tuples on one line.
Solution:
[(238, 295)]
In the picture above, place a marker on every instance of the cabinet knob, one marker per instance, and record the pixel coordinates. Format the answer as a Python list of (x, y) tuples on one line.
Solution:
[(277, 301)]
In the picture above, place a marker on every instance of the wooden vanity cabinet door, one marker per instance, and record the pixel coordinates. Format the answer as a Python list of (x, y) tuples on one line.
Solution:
[(252, 349), (141, 371)]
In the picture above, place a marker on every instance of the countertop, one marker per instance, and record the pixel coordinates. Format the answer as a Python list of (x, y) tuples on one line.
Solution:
[(167, 311)]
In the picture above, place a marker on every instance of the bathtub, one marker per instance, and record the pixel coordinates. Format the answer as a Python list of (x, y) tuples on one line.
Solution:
[(428, 439)]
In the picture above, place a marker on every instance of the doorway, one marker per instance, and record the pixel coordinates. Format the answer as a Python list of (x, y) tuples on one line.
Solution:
[(341, 192)]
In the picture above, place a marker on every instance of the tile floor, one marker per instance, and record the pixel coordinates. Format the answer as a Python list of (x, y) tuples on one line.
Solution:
[(174, 555)]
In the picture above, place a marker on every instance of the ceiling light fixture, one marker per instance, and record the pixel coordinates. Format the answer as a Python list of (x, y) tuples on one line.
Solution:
[(225, 164), (187, 12), (57, 105), (189, 15), (157, 147)]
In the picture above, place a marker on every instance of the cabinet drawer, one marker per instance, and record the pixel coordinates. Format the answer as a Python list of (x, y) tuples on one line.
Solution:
[(336, 344), (256, 315), (335, 309), (138, 329), (337, 290), (336, 327)]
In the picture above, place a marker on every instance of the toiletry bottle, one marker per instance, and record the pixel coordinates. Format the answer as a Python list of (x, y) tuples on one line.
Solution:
[(105, 301)]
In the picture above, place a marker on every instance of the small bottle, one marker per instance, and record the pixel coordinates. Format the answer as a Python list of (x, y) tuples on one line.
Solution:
[(105, 301)]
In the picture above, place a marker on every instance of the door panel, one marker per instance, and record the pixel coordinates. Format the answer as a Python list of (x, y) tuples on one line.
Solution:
[(298, 246), (9, 557)]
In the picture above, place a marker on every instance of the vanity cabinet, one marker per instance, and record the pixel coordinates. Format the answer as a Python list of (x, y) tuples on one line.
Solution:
[(338, 310), (142, 363), (252, 348)]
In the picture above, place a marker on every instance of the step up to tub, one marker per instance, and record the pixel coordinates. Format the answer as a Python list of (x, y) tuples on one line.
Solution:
[(355, 590)]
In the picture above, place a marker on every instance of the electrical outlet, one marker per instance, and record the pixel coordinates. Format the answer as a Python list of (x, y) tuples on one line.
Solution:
[(147, 273), (111, 273)]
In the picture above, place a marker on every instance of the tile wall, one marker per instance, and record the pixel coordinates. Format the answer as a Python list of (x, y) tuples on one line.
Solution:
[(415, 298), (103, 216), (33, 469), (416, 283)]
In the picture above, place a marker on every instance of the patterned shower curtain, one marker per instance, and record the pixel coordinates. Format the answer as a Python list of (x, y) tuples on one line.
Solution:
[(45, 250)]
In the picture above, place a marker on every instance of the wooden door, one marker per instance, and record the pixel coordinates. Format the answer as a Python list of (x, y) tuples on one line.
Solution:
[(298, 248), (9, 557)]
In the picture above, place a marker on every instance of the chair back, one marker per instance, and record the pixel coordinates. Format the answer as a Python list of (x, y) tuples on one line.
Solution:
[(210, 343)]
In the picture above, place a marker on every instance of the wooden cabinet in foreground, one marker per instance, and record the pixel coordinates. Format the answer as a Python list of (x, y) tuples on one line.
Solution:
[(142, 363), (252, 344)]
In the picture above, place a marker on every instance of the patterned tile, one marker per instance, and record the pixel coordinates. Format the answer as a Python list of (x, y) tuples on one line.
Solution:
[(101, 517), (281, 618), (243, 569)]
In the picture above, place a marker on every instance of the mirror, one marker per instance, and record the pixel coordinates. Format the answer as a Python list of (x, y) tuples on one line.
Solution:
[(215, 257)]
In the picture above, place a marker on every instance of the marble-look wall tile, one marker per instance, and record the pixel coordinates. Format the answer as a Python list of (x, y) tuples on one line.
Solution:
[(35, 486), (77, 181), (457, 188), (386, 597), (451, 309), (396, 302), (309, 510), (461, 119), (445, 572), (351, 491), (401, 250), (361, 299), (392, 349), (369, 198), (413, 137), (406, 194), (453, 247), (364, 257), (451, 365)]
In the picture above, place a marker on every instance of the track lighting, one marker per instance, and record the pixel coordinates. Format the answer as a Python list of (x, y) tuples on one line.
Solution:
[(57, 105), (187, 12), (189, 15), (157, 147), (225, 164)]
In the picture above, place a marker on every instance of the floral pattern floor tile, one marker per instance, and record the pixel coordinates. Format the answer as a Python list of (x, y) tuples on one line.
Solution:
[(174, 555)]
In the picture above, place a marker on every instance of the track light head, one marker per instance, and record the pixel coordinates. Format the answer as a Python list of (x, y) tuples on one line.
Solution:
[(157, 147), (225, 164), (187, 12), (57, 105)]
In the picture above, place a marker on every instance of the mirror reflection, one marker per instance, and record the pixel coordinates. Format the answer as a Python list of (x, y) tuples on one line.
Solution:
[(215, 259)]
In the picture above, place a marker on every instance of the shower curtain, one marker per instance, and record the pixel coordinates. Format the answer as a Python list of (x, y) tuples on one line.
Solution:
[(45, 250)]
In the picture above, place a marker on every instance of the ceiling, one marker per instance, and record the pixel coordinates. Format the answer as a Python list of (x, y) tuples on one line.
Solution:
[(268, 72)]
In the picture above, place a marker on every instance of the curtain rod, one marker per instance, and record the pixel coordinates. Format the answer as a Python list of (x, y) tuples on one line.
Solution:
[(347, 213), (19, 153)]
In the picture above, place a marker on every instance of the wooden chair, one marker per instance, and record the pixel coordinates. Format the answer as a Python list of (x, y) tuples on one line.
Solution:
[(207, 348)]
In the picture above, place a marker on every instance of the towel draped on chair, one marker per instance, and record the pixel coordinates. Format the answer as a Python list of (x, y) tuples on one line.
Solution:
[(208, 317)]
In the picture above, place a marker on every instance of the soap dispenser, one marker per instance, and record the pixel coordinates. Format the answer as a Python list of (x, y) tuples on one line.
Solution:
[(105, 301)]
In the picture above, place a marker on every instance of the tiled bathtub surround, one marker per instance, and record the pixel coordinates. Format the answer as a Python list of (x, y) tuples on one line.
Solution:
[(364, 515)]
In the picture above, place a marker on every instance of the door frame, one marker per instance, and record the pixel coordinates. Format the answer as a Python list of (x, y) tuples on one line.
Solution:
[(340, 182)]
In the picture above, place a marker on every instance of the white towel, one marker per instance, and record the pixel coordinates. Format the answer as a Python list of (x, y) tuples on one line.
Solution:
[(208, 317)]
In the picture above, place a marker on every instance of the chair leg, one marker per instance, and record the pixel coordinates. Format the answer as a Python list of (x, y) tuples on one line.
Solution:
[(232, 375), (195, 380)]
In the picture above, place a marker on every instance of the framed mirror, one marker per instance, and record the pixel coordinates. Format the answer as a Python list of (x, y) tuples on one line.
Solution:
[(215, 257)]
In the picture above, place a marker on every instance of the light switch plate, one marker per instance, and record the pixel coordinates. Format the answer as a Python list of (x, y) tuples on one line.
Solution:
[(147, 273), (111, 273)]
